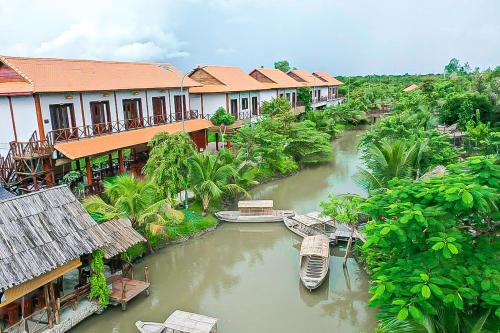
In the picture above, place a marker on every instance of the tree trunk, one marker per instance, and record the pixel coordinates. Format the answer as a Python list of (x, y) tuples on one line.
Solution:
[(205, 201)]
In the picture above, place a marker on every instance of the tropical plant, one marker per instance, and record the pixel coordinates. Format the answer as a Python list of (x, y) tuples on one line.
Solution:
[(387, 160), (98, 285), (343, 208), (304, 95), (282, 65), (221, 117), (211, 177), (461, 107), (432, 247), (246, 169), (307, 144), (136, 199), (167, 163)]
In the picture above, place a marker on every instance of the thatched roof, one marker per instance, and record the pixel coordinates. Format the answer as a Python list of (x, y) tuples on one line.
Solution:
[(308, 220), (41, 231), (410, 88), (255, 204), (121, 235), (318, 245), (188, 322), (4, 194)]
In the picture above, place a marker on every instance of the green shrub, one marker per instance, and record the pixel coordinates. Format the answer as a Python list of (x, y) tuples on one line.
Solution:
[(221, 117)]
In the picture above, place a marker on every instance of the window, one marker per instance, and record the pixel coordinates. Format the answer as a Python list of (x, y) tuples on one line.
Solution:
[(234, 108), (132, 111), (281, 95), (63, 121), (159, 110), (255, 106), (101, 117), (244, 103), (179, 106), (288, 96)]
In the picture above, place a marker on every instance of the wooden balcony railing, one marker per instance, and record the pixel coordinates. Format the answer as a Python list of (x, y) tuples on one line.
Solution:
[(87, 131)]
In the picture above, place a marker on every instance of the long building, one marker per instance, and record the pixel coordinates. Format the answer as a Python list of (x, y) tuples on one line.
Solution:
[(55, 111), (58, 114)]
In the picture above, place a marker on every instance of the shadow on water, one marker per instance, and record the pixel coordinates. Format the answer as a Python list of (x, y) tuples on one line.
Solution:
[(247, 274)]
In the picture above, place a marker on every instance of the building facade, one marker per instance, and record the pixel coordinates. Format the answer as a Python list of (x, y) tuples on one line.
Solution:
[(62, 109), (324, 87)]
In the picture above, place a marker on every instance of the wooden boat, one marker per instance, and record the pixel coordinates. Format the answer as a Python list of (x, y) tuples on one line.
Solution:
[(304, 225), (254, 211), (314, 260), (180, 322)]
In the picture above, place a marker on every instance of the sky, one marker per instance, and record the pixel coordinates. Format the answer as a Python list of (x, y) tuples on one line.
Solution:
[(353, 37)]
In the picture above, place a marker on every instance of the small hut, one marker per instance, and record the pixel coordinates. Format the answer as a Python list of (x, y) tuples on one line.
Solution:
[(4, 194), (255, 207), (43, 235), (181, 322), (410, 88)]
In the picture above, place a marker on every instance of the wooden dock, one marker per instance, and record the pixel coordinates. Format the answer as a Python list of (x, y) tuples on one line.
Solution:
[(123, 290)]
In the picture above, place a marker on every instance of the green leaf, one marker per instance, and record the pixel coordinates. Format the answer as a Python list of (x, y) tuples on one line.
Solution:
[(467, 198), (380, 290), (426, 292), (398, 302), (458, 302), (438, 246), (385, 230), (416, 313), (453, 249), (486, 284), (436, 290), (403, 314), (424, 277), (449, 298), (446, 253)]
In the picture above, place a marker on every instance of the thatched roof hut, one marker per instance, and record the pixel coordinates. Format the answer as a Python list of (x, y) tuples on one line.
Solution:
[(42, 231), (121, 235)]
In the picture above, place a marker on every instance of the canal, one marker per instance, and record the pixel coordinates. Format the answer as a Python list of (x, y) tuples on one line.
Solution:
[(247, 275)]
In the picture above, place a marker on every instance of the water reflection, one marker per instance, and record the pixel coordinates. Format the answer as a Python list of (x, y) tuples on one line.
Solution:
[(247, 275)]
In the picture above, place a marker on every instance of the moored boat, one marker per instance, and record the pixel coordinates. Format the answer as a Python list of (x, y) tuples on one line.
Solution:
[(314, 260), (305, 225), (180, 322), (254, 211)]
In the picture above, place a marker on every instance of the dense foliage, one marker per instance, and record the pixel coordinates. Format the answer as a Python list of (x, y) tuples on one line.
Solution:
[(282, 65), (166, 166), (98, 285), (432, 244), (278, 143), (221, 117)]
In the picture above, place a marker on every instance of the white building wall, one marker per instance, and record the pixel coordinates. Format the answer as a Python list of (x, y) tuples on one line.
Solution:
[(245, 111), (24, 116), (6, 129), (267, 95), (97, 97), (211, 102), (58, 98), (195, 102)]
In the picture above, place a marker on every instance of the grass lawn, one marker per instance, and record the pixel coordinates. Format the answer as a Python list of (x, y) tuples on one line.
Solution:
[(193, 223)]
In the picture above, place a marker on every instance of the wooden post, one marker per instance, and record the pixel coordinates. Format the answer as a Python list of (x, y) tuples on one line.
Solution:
[(53, 303), (146, 278), (121, 164), (347, 249), (217, 141), (88, 168), (124, 294), (47, 305)]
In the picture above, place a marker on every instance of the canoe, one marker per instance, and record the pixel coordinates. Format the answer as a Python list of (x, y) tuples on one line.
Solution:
[(150, 327), (314, 260), (235, 216)]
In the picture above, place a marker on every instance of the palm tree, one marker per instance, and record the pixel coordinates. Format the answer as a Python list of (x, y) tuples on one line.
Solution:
[(136, 199), (246, 170), (210, 177), (386, 161)]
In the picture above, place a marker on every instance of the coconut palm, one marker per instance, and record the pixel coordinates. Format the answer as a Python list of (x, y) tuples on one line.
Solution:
[(246, 169), (136, 199), (386, 161), (211, 176)]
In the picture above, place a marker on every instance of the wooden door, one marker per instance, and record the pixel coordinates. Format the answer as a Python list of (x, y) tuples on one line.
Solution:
[(132, 109), (255, 106), (63, 121), (159, 110), (234, 108), (179, 105), (101, 117), (294, 100)]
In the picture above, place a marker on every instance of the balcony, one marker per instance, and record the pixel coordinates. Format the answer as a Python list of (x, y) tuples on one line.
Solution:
[(94, 130)]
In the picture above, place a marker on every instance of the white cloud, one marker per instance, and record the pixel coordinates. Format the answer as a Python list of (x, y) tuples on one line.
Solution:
[(225, 51)]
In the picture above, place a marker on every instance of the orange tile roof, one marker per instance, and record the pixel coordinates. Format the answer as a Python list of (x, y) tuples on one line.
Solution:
[(328, 78), (310, 79), (232, 78), (106, 143), (410, 88), (15, 88), (64, 75), (280, 79)]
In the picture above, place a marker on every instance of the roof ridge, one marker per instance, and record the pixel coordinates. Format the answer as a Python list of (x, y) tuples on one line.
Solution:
[(258, 69), (86, 60)]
